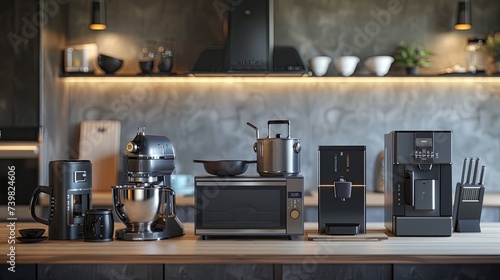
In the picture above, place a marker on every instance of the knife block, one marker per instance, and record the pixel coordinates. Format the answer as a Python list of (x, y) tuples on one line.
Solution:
[(467, 208)]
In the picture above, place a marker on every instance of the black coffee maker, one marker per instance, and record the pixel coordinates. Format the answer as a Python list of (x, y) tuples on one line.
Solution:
[(70, 194), (341, 190), (418, 183)]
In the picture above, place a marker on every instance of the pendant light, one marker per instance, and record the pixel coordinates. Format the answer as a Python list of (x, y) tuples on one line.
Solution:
[(463, 16), (98, 15)]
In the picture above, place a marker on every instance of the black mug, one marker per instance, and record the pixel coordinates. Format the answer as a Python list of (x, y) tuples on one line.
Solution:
[(99, 226)]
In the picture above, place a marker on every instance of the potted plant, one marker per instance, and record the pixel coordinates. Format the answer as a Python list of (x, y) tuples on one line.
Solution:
[(412, 58), (492, 47)]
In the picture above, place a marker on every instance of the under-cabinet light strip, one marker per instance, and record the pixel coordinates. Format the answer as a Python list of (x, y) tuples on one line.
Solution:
[(117, 79)]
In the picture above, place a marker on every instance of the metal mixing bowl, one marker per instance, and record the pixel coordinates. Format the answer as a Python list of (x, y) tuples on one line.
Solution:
[(140, 208)]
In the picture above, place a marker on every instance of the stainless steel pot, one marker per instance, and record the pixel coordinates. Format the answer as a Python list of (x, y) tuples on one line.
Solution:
[(277, 156)]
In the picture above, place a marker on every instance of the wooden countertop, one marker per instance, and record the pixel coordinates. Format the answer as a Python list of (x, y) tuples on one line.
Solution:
[(460, 248)]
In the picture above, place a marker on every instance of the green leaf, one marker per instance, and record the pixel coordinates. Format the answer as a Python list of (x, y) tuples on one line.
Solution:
[(411, 56)]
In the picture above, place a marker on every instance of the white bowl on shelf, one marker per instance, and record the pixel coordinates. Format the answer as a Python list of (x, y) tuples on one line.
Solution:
[(346, 65), (379, 65), (319, 65)]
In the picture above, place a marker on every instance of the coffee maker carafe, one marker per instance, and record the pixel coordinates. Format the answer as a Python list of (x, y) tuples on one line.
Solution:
[(418, 183), (341, 190), (70, 195)]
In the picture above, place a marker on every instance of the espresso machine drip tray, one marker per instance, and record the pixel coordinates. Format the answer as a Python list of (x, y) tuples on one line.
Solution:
[(347, 229)]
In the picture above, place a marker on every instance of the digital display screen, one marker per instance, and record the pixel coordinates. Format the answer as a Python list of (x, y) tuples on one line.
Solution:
[(294, 194), (423, 142)]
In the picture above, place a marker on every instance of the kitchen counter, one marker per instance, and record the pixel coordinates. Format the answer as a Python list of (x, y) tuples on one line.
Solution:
[(460, 248)]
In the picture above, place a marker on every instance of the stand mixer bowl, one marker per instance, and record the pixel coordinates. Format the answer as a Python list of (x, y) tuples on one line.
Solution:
[(142, 208)]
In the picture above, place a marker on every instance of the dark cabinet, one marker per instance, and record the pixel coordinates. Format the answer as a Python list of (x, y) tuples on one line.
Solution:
[(19, 63)]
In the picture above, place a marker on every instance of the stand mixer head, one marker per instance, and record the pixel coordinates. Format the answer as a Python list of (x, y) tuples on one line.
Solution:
[(150, 159), (146, 205)]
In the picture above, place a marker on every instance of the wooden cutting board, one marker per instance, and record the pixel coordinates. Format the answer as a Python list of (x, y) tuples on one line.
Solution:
[(100, 143)]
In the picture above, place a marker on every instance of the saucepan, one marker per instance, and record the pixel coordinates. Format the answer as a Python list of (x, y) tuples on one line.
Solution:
[(225, 167), (277, 156)]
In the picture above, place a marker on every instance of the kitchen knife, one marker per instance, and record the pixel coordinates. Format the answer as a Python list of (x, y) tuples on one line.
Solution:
[(482, 175), (475, 171), (463, 171), (470, 171)]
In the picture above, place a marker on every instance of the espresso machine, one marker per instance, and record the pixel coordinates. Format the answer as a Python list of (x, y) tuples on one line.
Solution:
[(70, 195), (341, 190), (418, 183), (146, 203)]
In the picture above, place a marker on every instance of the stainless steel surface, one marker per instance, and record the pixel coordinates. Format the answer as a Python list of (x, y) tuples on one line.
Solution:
[(140, 208), (256, 129), (278, 156), (146, 205), (291, 191)]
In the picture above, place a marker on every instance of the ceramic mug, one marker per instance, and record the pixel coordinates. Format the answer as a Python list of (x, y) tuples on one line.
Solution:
[(319, 64), (346, 65)]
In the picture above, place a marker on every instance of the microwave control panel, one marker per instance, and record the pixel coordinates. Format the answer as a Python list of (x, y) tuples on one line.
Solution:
[(295, 205)]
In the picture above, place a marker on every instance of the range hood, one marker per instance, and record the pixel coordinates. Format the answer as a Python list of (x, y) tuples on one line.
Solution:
[(249, 50)]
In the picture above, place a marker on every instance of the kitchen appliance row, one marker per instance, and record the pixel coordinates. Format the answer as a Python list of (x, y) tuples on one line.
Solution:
[(417, 191)]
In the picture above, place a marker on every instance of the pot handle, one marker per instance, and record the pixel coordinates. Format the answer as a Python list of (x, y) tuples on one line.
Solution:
[(269, 123), (297, 147), (34, 200), (254, 127)]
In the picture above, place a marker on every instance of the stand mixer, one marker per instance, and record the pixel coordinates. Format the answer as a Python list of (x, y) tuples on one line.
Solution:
[(146, 204)]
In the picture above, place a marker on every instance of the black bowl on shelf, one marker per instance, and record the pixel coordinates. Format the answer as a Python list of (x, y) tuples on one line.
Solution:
[(146, 67), (109, 64)]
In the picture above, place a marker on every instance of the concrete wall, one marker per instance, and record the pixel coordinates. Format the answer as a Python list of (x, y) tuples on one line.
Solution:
[(206, 120), (326, 27)]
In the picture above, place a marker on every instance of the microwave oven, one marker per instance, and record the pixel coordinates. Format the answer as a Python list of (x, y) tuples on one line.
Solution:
[(249, 206)]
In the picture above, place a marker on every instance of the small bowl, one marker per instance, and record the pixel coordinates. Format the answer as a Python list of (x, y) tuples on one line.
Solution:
[(319, 65), (346, 65), (379, 65), (32, 233), (109, 64), (146, 66)]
